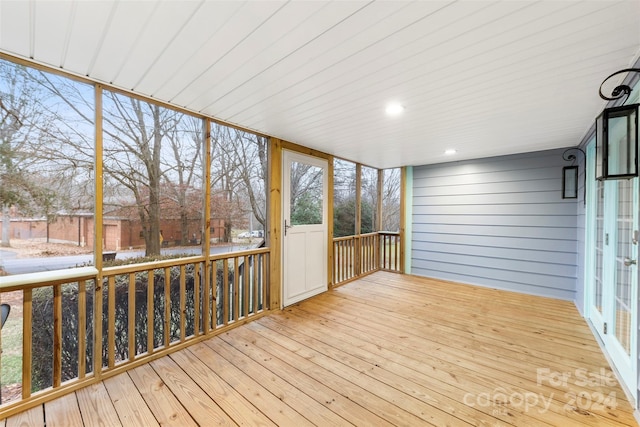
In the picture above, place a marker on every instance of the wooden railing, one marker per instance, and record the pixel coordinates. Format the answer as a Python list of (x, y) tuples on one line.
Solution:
[(390, 246), (354, 256), (80, 326)]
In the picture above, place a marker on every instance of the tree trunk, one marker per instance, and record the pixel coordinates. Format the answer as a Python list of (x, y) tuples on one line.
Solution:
[(184, 227), (6, 226), (155, 239)]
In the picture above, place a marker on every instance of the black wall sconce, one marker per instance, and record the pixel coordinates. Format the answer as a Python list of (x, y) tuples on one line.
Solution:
[(617, 135), (570, 176)]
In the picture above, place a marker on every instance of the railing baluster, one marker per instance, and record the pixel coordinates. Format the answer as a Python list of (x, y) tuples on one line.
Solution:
[(384, 251), (343, 260), (245, 286), (97, 324), (82, 328), (27, 322), (213, 274), (57, 335), (349, 259), (131, 315), (196, 299), (183, 303), (366, 247), (369, 241), (167, 306), (350, 265), (111, 322), (370, 266), (337, 262), (206, 292), (150, 289), (255, 273), (361, 246), (225, 292), (236, 289), (366, 255), (396, 259), (266, 274)]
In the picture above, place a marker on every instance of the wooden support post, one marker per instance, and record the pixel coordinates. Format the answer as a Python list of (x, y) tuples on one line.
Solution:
[(403, 202), (208, 281), (357, 268), (97, 244), (329, 202), (275, 219)]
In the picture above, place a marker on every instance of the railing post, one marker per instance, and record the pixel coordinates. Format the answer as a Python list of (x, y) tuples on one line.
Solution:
[(27, 322)]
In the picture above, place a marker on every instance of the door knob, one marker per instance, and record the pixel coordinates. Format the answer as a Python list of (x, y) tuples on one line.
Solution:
[(286, 227), (628, 261)]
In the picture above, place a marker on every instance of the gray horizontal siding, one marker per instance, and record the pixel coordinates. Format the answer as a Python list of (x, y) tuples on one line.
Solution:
[(498, 222)]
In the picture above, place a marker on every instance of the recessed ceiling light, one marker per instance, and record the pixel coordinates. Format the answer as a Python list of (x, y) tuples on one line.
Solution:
[(450, 152), (394, 109)]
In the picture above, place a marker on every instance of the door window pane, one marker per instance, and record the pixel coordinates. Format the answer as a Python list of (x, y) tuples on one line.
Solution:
[(597, 297), (624, 273), (306, 194)]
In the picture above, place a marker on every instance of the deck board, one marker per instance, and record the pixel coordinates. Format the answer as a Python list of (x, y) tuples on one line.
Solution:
[(96, 407), (128, 403), (63, 412), (163, 404), (386, 349), (274, 408)]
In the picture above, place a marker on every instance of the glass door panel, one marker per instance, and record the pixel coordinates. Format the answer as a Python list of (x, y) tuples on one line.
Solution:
[(599, 258), (615, 276), (625, 267)]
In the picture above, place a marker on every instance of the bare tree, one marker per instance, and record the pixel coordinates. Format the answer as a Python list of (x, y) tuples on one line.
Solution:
[(152, 157), (391, 200), (134, 132), (22, 122), (183, 173), (238, 170)]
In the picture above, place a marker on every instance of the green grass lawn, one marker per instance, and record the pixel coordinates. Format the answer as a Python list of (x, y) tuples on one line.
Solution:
[(11, 352)]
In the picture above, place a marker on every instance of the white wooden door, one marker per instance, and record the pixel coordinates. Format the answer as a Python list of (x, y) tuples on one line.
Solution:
[(304, 211), (615, 287)]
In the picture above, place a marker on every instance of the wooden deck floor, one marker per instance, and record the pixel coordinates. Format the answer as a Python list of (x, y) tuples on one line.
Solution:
[(384, 350)]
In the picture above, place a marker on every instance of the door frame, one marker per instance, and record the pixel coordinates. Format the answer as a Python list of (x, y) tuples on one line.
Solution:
[(275, 220)]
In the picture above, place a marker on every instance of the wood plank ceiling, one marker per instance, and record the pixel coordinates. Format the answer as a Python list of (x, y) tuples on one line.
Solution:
[(483, 77)]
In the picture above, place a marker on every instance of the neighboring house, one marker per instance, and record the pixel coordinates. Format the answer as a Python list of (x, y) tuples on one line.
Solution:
[(117, 232)]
